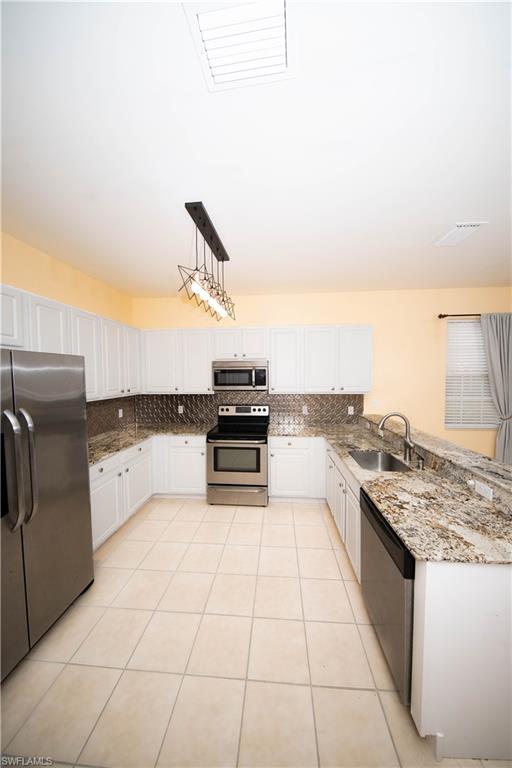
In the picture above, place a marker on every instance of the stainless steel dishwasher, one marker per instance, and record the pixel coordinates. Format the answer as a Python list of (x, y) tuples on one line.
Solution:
[(387, 581)]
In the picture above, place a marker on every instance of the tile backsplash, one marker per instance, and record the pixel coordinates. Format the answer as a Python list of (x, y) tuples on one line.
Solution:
[(103, 415), (285, 410)]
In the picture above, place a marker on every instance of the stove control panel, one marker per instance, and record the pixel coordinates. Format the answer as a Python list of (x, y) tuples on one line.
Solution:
[(244, 410)]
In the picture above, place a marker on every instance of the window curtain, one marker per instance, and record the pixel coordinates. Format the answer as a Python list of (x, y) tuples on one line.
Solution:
[(497, 333)]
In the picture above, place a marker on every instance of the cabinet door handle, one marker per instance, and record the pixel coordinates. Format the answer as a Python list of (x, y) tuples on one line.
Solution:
[(271, 455), (289, 443), (236, 354), (202, 453), (122, 391), (175, 389), (332, 389), (100, 469), (127, 469), (128, 390), (272, 388), (243, 354), (119, 474), (342, 388), (140, 449), (344, 491), (186, 442)]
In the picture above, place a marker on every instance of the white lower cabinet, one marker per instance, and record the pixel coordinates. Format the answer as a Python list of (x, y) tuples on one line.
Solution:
[(353, 531), (106, 506), (137, 482), (289, 466), (340, 508), (180, 464), (119, 486), (342, 494), (187, 469)]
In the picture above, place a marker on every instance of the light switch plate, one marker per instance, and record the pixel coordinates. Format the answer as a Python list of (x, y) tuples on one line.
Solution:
[(180, 409), (350, 410)]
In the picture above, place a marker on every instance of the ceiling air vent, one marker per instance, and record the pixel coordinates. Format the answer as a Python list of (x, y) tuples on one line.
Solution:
[(461, 231), (241, 44)]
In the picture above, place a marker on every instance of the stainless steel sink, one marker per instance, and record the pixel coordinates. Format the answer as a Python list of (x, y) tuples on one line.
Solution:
[(379, 461)]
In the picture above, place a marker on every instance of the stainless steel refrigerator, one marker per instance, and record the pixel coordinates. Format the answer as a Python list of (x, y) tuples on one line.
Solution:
[(46, 537)]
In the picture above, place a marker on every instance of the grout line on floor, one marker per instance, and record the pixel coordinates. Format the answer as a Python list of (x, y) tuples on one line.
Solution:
[(242, 713), (189, 656)]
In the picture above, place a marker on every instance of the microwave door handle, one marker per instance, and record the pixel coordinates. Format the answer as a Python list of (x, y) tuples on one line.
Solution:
[(254, 377), (29, 424), (14, 471)]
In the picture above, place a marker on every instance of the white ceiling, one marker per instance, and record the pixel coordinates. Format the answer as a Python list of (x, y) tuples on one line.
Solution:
[(396, 125)]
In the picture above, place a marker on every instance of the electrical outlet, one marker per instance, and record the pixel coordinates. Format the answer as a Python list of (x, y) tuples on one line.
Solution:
[(120, 413), (180, 409), (350, 410), (305, 410)]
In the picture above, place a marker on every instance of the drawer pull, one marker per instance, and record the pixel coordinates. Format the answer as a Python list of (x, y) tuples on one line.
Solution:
[(127, 469), (186, 442), (202, 453), (332, 389), (289, 443)]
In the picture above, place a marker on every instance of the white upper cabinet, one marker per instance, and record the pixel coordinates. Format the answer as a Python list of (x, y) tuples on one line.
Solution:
[(13, 329), (320, 359), (240, 343), (164, 363), (132, 360), (255, 343), (113, 359), (227, 344), (286, 359), (197, 361), (355, 358), (49, 326), (86, 341)]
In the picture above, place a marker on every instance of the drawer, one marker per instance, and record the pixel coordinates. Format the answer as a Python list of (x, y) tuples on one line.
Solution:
[(289, 442), (193, 440), (135, 450), (103, 467)]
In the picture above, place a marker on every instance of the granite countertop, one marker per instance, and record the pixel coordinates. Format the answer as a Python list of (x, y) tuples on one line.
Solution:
[(105, 445), (438, 518), (462, 459)]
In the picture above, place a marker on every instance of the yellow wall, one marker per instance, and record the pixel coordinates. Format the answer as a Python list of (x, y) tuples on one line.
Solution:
[(32, 270), (410, 341)]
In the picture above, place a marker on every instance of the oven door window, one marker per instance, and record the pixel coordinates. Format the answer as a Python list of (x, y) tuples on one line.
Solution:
[(237, 459), (232, 377)]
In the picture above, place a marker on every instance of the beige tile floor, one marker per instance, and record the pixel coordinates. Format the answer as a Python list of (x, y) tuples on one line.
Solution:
[(215, 636)]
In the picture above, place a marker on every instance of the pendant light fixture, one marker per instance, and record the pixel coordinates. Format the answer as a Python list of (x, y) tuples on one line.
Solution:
[(205, 283)]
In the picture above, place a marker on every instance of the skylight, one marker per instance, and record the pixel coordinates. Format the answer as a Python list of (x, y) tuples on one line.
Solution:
[(243, 44)]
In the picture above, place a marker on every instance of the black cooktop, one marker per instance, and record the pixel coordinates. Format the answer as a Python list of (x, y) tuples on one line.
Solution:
[(238, 431), (241, 422)]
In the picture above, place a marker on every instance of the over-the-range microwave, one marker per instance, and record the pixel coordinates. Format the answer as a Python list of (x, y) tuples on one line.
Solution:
[(239, 375)]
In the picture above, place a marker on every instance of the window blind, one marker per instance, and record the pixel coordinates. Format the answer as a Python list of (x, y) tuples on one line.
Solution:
[(468, 402)]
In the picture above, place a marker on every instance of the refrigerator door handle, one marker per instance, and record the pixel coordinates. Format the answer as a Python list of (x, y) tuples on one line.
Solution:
[(15, 475), (27, 418)]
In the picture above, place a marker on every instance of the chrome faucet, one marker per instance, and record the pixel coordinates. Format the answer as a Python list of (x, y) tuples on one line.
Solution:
[(408, 444)]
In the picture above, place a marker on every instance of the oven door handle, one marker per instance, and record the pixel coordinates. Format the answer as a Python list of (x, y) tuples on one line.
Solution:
[(236, 443)]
